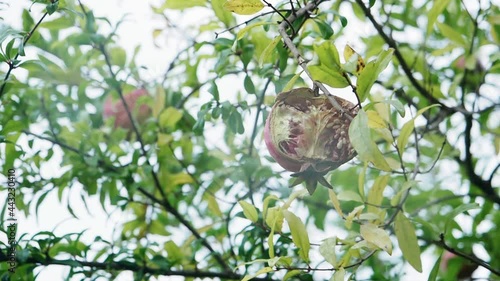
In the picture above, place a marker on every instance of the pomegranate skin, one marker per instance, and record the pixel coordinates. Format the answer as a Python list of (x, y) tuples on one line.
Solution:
[(117, 109), (306, 134)]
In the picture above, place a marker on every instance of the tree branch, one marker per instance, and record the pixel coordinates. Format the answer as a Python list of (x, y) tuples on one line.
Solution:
[(404, 65), (128, 266)]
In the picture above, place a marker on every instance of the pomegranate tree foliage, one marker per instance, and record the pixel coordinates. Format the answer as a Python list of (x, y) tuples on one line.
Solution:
[(198, 194)]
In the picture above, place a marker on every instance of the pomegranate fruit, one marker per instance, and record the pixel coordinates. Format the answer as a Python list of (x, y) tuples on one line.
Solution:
[(309, 136), (117, 109)]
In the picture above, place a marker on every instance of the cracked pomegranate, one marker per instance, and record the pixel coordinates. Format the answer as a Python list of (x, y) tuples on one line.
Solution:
[(306, 134)]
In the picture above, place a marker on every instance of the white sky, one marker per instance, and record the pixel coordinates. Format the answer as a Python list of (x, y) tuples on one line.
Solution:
[(138, 30)]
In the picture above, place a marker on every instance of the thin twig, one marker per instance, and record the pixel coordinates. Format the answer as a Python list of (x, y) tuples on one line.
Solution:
[(296, 53), (471, 258), (10, 63)]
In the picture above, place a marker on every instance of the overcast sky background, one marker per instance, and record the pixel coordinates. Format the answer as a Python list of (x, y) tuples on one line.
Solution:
[(136, 31)]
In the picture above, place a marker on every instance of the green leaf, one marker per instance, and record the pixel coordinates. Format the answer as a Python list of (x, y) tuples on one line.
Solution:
[(223, 15), (299, 234), (235, 122), (407, 129), (244, 30), (169, 118), (327, 250), (214, 90), (291, 273), (249, 211), (451, 34), (407, 240), (174, 252), (360, 137), (437, 8), (377, 236), (370, 73), (248, 84), (291, 83), (118, 56), (180, 4), (325, 30), (460, 209), (435, 269), (328, 76), (328, 55), (244, 7), (269, 50)]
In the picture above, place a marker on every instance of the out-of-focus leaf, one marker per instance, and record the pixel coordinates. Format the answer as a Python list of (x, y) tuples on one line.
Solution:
[(223, 15), (261, 271), (437, 8), (327, 250), (377, 236), (249, 211), (244, 7)]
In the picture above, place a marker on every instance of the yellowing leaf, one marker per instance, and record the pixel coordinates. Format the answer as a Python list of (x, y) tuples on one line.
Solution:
[(335, 202), (296, 194), (375, 195), (249, 211), (350, 217), (375, 121), (327, 250), (407, 240), (213, 205), (244, 7), (339, 274), (354, 62), (159, 101), (349, 195), (377, 236), (299, 234), (274, 218)]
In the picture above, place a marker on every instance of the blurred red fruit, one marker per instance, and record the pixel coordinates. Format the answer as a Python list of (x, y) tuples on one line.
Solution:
[(117, 109)]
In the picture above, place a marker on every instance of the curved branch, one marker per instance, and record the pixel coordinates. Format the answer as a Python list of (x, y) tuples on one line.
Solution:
[(404, 65)]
